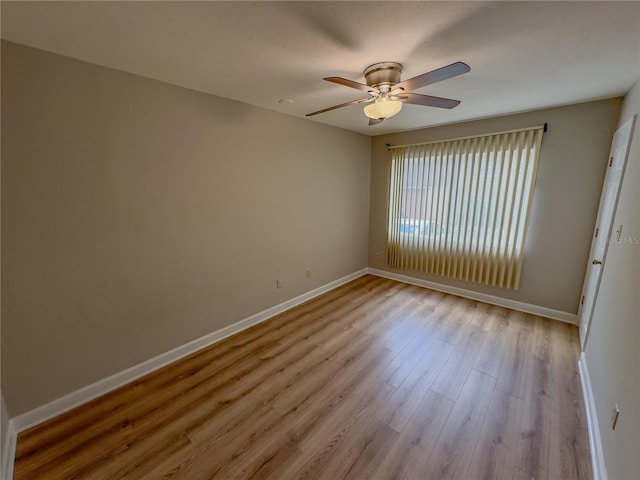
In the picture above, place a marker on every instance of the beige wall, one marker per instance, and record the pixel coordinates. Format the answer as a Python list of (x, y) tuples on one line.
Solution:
[(137, 216), (612, 353), (570, 174)]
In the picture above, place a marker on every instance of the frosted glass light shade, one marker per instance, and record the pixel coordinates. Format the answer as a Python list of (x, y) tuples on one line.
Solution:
[(383, 109)]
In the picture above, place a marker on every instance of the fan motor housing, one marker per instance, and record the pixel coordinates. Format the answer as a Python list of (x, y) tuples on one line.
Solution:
[(383, 74)]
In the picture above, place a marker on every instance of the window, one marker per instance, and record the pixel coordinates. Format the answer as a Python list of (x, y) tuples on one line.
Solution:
[(459, 208)]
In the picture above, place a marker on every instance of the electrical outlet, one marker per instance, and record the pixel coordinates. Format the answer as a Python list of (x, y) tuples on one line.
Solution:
[(308, 273), (614, 416), (279, 284)]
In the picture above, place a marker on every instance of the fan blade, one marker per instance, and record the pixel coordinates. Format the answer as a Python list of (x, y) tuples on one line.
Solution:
[(428, 100), (434, 76), (350, 83), (353, 102), (375, 121)]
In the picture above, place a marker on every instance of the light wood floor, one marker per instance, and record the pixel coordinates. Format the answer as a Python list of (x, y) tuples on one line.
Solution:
[(374, 380)]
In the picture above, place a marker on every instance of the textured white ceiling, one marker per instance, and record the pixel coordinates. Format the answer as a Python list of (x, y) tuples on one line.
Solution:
[(523, 55)]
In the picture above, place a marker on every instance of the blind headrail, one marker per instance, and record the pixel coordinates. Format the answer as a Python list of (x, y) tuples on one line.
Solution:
[(516, 130)]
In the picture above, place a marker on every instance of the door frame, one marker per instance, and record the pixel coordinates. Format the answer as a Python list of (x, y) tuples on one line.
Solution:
[(603, 227)]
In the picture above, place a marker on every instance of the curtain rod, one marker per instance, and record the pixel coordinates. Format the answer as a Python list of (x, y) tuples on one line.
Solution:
[(544, 127)]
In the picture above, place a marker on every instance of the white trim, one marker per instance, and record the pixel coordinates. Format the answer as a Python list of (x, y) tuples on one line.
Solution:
[(85, 394), (482, 297), (9, 452), (595, 441)]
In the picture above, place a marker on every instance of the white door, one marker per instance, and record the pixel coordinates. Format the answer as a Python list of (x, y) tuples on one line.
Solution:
[(602, 233)]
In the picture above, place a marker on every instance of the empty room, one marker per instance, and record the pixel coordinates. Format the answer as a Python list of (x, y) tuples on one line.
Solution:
[(320, 240)]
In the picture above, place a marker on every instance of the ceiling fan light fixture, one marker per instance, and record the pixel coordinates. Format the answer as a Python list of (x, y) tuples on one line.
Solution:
[(383, 108), (388, 93)]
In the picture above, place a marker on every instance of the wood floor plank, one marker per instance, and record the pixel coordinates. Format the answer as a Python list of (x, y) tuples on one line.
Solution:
[(326, 440), (458, 317), (491, 355), (184, 414), (536, 424), (374, 380), (231, 405), (339, 404), (515, 372), (360, 457), (402, 404), (406, 360), (494, 457), (453, 376), (485, 317), (279, 400), (405, 461), (452, 453), (292, 394)]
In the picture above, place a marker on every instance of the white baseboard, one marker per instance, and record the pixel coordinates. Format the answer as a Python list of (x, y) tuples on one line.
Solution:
[(90, 392), (9, 452), (595, 441), (63, 404), (482, 297)]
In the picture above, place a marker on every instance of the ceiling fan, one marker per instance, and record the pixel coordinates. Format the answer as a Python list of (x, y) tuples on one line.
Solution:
[(388, 93)]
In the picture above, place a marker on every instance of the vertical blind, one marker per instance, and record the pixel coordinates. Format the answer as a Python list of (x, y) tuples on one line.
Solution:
[(460, 208)]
